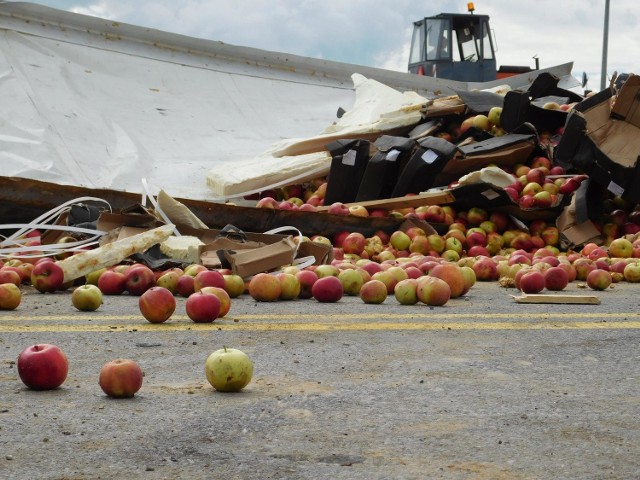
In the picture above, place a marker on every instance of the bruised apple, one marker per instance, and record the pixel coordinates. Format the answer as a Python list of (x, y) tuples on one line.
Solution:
[(121, 378), (228, 369), (157, 304)]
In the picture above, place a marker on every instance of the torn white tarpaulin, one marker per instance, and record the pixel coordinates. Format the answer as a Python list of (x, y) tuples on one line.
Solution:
[(377, 109)]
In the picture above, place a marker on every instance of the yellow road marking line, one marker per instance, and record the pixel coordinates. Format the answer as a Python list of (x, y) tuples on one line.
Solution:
[(77, 316), (315, 326)]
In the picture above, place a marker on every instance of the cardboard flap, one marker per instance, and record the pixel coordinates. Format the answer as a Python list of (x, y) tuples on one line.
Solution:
[(257, 260), (479, 101), (388, 142), (627, 106)]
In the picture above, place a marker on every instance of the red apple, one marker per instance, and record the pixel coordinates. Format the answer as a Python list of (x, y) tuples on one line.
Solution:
[(354, 243), (306, 278), (208, 278), (43, 366), (87, 298), (139, 279), (223, 296), (202, 307), (47, 277), (268, 202), (185, 285), (338, 208), (532, 281), (327, 289), (10, 276), (157, 304), (112, 282), (121, 378), (10, 296), (556, 278)]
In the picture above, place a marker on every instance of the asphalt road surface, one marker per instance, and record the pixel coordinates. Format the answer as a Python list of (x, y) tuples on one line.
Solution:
[(482, 388)]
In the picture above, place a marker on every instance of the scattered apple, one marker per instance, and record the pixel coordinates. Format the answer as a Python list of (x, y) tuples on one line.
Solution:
[(42, 366), (121, 378), (157, 304), (87, 298), (228, 369)]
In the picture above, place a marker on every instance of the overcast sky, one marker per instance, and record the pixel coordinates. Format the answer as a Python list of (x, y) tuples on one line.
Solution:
[(377, 32)]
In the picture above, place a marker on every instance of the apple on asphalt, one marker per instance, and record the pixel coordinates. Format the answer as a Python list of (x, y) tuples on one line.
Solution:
[(228, 369), (43, 366), (47, 277), (87, 298), (10, 296), (157, 304), (121, 378)]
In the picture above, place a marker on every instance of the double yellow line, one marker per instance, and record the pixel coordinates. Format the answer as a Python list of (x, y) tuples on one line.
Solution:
[(335, 322)]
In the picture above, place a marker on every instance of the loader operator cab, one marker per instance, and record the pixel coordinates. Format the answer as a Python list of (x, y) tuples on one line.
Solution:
[(453, 46)]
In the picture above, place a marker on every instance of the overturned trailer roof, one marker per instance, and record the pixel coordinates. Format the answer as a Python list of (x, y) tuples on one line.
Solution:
[(96, 103)]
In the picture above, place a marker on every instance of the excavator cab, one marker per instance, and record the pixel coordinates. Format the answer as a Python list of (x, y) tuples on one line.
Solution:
[(453, 46)]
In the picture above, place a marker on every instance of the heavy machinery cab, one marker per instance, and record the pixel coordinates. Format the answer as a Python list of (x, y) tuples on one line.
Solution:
[(453, 46)]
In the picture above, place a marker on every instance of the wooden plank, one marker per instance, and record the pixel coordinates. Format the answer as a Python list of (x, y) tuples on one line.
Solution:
[(434, 198), (557, 298)]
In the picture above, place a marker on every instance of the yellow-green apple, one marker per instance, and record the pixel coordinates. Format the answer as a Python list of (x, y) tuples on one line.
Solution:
[(621, 248), (194, 269), (387, 278), (476, 215), (469, 277), (120, 378), (494, 115), (202, 307), (10, 296), (358, 211), (326, 270), (542, 199), (92, 277), (351, 280), (631, 272), (405, 291), (47, 277), (327, 289), (234, 285), (373, 292), (157, 304), (420, 244), (400, 240), (43, 366), (454, 244), (228, 369), (86, 298), (482, 122), (289, 286), (169, 280)]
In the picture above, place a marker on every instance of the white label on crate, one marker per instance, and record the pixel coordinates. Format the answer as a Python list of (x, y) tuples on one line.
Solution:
[(615, 189), (349, 158), (490, 194), (392, 155), (429, 156)]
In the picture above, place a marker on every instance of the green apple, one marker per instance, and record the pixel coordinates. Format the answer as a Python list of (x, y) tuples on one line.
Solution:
[(87, 298), (228, 369), (494, 115)]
